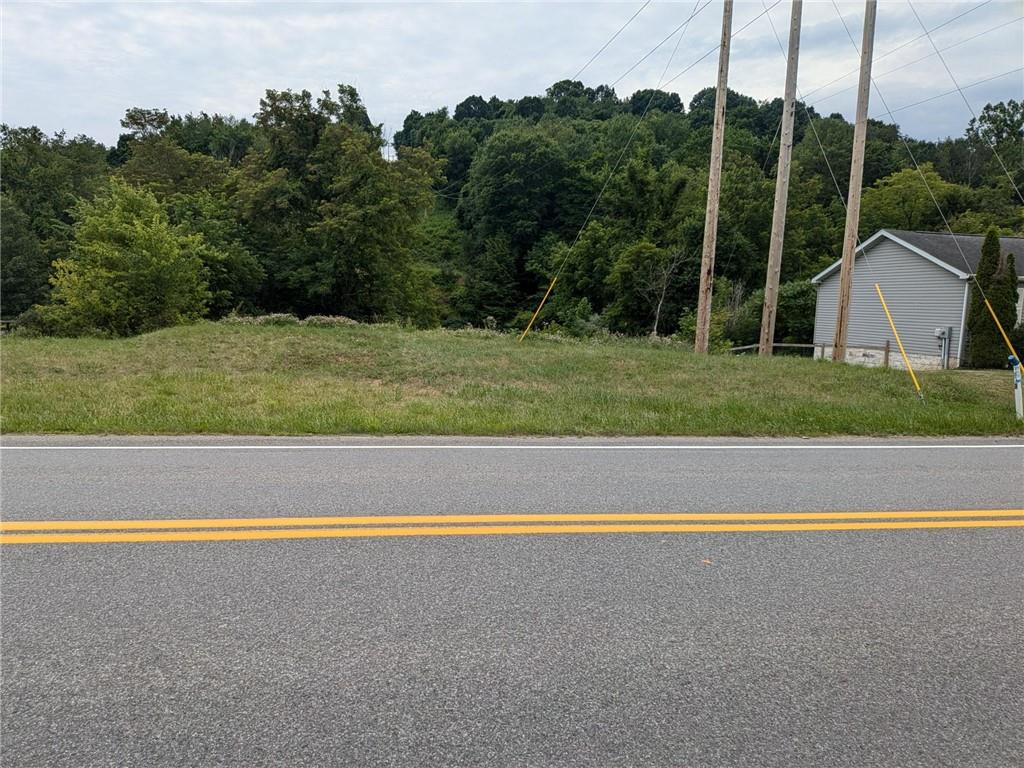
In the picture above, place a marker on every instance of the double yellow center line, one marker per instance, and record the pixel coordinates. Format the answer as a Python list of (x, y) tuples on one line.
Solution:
[(256, 528)]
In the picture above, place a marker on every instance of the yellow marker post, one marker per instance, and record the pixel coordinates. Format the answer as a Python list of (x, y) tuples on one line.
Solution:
[(899, 342), (999, 325), (539, 308)]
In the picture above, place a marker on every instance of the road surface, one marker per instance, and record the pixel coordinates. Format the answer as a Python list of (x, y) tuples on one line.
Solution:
[(820, 643)]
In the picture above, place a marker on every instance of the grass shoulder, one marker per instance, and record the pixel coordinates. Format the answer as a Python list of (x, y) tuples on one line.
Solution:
[(381, 379)]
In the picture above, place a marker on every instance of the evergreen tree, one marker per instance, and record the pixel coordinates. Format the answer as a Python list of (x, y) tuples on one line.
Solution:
[(997, 278), (1004, 296)]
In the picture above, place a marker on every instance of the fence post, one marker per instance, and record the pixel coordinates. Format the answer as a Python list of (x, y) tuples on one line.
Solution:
[(885, 356)]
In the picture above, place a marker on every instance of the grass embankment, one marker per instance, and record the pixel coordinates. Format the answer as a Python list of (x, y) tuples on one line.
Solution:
[(217, 378)]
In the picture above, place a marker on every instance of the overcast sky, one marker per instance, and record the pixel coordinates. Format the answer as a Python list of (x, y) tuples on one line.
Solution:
[(77, 66)]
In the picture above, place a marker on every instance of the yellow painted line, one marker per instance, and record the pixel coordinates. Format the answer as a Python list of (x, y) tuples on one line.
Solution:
[(484, 530), (429, 520)]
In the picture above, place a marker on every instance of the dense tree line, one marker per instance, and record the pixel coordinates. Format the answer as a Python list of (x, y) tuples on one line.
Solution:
[(297, 210)]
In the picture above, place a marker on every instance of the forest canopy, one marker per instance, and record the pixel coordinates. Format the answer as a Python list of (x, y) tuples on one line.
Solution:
[(304, 208)]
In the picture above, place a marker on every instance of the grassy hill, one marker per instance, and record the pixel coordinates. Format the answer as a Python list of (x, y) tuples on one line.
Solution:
[(221, 378)]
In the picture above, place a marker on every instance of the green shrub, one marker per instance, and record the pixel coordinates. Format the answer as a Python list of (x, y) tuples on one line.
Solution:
[(129, 272), (329, 321), (275, 318), (718, 339), (725, 303), (794, 319)]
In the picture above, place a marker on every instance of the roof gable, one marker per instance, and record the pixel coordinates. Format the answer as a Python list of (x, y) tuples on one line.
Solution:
[(947, 251)]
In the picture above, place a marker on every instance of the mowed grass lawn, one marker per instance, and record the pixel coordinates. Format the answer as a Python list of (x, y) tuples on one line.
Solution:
[(365, 379)]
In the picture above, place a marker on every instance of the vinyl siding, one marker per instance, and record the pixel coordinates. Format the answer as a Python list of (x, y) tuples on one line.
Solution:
[(922, 296)]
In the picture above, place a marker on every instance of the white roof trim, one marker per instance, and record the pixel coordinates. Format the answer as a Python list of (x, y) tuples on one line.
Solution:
[(818, 278)]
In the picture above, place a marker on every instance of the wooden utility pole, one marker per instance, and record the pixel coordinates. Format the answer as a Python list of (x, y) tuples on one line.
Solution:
[(860, 130), (707, 259), (771, 285)]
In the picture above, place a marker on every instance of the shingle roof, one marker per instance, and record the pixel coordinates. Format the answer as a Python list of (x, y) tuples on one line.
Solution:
[(942, 246)]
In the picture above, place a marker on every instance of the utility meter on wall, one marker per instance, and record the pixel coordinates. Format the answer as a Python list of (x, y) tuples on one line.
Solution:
[(945, 336)]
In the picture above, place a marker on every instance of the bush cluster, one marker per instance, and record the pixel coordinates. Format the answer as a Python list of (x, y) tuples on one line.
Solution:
[(286, 318)]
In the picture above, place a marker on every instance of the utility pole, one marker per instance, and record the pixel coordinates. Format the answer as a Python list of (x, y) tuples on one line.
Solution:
[(860, 130), (707, 259), (771, 285)]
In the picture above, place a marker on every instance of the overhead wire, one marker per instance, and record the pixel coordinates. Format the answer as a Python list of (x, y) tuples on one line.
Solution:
[(771, 146), (951, 92), (818, 102), (622, 152), (704, 56), (842, 200), (715, 49), (641, 60), (610, 40), (888, 72), (810, 123), (649, 53), (938, 207), (899, 47), (697, 8), (591, 60), (966, 102)]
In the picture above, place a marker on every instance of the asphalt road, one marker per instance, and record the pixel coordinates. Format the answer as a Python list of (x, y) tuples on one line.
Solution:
[(789, 648)]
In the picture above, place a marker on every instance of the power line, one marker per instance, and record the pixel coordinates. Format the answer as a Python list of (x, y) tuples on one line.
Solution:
[(899, 47), (810, 118), (842, 200), (715, 49), (960, 90), (817, 139), (928, 186), (661, 83), (651, 52), (949, 93), (910, 152), (697, 8), (913, 159), (636, 127), (820, 101), (771, 146), (591, 60), (610, 40), (891, 112), (919, 60)]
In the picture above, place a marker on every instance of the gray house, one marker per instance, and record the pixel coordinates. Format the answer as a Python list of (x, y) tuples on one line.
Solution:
[(927, 285)]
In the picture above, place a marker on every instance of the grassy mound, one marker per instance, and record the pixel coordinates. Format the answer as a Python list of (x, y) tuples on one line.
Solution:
[(366, 379)]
